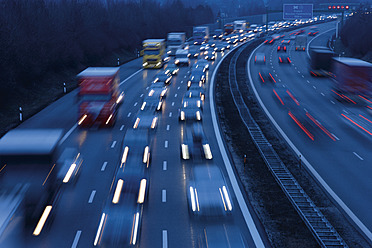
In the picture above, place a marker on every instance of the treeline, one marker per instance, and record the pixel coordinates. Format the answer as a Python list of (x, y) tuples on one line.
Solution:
[(356, 35), (40, 38)]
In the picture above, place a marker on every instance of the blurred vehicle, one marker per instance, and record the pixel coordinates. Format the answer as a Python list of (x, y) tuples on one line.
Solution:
[(146, 119), (320, 61), (219, 48), (240, 26), (203, 49), (292, 37), (352, 80), (221, 236), (190, 111), (194, 144), (260, 58), (300, 42), (153, 53), (175, 41), (266, 76), (194, 52), (98, 96), (172, 68), (211, 43), (228, 28), (120, 222), (200, 34), (210, 55), (182, 57), (197, 77), (218, 34), (227, 45), (203, 63), (207, 193), (282, 47), (35, 170), (285, 97), (195, 91), (154, 99), (284, 59), (286, 41), (163, 77), (313, 31), (269, 41)]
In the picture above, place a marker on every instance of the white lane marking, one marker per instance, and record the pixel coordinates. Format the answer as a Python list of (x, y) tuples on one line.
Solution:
[(175, 95), (130, 76), (181, 82), (135, 104), (67, 134), (141, 95), (166, 144), (165, 239), (147, 87), (239, 196), (170, 114), (298, 71), (333, 102), (129, 114), (276, 75), (163, 195), (104, 166), (178, 87), (172, 103), (184, 77), (168, 127), (279, 80), (314, 87), (273, 70), (322, 93), (345, 111), (308, 81), (122, 127), (347, 210), (358, 156), (295, 68), (335, 136), (76, 239), (302, 76), (91, 197), (113, 144), (165, 163)]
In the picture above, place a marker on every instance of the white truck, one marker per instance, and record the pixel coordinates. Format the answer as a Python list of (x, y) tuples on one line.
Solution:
[(239, 26), (300, 42), (182, 57), (175, 41)]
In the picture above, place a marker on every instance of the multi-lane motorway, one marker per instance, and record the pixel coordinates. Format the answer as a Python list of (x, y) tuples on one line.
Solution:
[(166, 219), (337, 154)]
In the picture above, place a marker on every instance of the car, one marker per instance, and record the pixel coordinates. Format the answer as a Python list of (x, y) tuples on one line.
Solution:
[(284, 59), (227, 45), (159, 87), (203, 48), (265, 75), (146, 119), (199, 67), (260, 58), (70, 161), (163, 77), (190, 111), (284, 97), (313, 31), (282, 47), (196, 78), (286, 41), (203, 63), (172, 68), (219, 48), (194, 52), (194, 144), (120, 222), (269, 41), (195, 91), (207, 193), (153, 100), (210, 55)]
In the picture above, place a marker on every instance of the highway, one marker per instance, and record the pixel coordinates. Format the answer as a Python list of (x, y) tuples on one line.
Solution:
[(339, 153), (166, 220)]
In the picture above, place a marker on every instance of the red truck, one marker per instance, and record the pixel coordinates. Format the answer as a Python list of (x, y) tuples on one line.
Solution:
[(228, 28), (98, 96), (353, 78)]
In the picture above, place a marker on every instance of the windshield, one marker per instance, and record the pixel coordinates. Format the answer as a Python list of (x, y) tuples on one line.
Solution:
[(151, 52), (174, 43)]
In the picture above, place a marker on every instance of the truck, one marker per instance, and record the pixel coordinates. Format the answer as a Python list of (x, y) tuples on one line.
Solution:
[(239, 26), (320, 61), (353, 80), (200, 35), (153, 53), (98, 96), (182, 57), (175, 41), (228, 28), (300, 42), (32, 174)]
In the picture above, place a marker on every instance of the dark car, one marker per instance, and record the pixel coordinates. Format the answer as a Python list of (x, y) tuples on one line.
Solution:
[(282, 47), (194, 144), (284, 59), (260, 58), (163, 77)]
